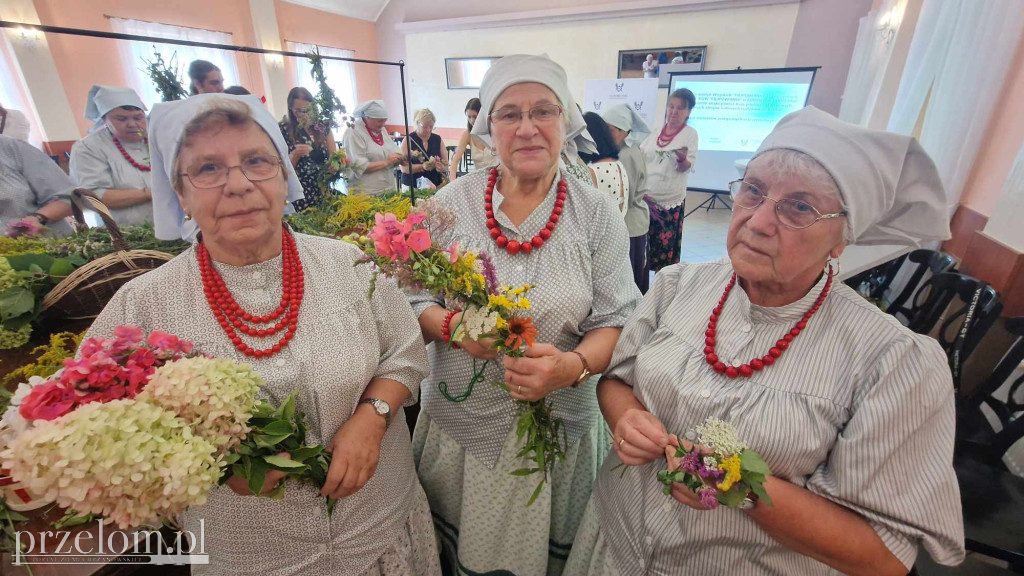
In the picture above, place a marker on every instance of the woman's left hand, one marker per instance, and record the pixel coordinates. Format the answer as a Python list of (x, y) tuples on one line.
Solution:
[(543, 370), (355, 453), (679, 490)]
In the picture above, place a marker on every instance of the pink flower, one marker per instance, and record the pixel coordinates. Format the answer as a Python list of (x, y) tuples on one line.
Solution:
[(400, 247), (168, 343), (96, 371), (708, 498), (115, 392), (453, 252), (415, 218), (92, 346), (129, 334), (48, 401), (419, 240)]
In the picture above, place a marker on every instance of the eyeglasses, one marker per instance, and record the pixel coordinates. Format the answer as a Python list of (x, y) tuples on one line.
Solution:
[(213, 175), (792, 213), (542, 114)]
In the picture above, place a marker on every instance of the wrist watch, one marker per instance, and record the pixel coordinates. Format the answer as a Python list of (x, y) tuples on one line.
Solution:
[(749, 502), (382, 408), (586, 370)]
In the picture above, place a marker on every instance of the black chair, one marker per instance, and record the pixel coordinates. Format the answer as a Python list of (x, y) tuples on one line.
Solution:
[(451, 154), (961, 330), (878, 278), (976, 436), (927, 261)]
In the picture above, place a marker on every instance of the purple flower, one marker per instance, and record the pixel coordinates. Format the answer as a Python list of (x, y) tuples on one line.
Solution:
[(709, 474), (691, 462), (490, 272), (708, 498)]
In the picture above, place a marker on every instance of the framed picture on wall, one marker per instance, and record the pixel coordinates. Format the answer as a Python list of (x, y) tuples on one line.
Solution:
[(660, 62), (467, 73)]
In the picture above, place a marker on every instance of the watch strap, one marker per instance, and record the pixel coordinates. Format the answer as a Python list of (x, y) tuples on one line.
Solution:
[(586, 369), (373, 402)]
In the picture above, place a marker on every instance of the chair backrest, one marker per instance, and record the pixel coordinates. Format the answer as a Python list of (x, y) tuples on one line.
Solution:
[(1012, 428), (927, 261), (467, 160)]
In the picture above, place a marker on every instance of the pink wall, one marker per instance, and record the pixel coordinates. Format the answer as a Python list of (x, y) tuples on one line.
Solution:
[(301, 24), (82, 62), (1002, 142), (824, 35)]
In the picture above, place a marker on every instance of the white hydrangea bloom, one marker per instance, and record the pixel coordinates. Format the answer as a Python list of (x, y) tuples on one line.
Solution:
[(476, 322)]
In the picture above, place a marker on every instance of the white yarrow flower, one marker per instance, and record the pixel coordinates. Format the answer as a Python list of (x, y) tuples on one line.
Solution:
[(721, 436)]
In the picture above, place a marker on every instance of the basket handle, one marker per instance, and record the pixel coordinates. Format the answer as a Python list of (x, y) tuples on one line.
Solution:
[(82, 199)]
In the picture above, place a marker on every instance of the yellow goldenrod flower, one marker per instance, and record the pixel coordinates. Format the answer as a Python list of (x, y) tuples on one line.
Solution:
[(731, 466)]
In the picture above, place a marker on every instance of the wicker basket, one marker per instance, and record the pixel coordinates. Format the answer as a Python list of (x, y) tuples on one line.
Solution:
[(84, 293)]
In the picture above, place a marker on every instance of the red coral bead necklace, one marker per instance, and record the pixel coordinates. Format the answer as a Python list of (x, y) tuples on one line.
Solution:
[(514, 247), (232, 317), (774, 352), (128, 157)]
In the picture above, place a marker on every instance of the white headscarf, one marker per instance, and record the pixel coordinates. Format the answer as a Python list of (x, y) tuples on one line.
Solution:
[(166, 127), (889, 184), (521, 68), (371, 109), (103, 99), (623, 117)]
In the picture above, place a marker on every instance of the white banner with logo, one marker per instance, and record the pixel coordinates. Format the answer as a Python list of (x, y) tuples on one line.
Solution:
[(641, 94)]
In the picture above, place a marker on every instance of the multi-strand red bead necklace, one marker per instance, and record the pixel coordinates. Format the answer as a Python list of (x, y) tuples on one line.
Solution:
[(514, 246), (665, 137), (231, 316), (128, 157), (376, 135), (774, 352)]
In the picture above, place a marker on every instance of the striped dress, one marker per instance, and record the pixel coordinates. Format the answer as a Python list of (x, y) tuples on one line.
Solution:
[(859, 410)]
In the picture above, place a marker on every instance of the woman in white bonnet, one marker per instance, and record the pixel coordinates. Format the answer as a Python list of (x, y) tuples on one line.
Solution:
[(373, 153), (113, 160), (853, 413)]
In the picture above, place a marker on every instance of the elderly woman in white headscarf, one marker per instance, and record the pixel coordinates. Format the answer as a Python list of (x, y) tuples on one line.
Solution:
[(113, 160), (853, 413), (304, 322), (542, 227), (628, 131), (374, 154)]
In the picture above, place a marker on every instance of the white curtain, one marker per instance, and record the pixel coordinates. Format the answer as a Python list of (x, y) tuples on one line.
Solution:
[(871, 55), (135, 54), (959, 59), (11, 96), (340, 76)]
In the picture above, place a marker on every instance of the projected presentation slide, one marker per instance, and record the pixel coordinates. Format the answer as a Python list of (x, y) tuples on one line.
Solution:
[(735, 111)]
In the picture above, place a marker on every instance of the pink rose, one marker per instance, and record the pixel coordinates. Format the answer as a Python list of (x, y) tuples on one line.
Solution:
[(48, 401)]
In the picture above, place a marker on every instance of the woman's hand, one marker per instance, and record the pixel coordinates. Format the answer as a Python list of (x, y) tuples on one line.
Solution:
[(300, 152), (355, 452), (240, 485), (480, 349), (395, 159), (679, 491), (682, 163), (639, 438), (543, 370)]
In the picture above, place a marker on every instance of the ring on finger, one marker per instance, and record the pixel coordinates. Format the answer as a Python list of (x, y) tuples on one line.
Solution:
[(519, 390), (621, 440)]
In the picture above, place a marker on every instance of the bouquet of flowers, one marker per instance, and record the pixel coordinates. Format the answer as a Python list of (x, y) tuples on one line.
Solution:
[(136, 432), (338, 165), (166, 76), (405, 250), (722, 476)]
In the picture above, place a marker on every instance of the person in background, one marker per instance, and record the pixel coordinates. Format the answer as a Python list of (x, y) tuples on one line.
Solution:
[(608, 173), (14, 123), (854, 414), (482, 155), (112, 162), (466, 450), (34, 191), (669, 156), (433, 163), (307, 150), (206, 78), (353, 360), (650, 67), (373, 153), (678, 58), (628, 130), (237, 91)]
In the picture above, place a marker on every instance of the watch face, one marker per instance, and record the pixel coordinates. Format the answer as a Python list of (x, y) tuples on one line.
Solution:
[(747, 504), (382, 407)]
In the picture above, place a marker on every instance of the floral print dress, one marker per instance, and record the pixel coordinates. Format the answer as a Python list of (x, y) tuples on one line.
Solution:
[(308, 169)]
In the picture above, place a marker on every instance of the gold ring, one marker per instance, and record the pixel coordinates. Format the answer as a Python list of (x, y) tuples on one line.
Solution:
[(621, 440), (519, 390)]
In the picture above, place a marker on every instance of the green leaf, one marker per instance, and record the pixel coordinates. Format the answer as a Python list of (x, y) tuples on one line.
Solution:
[(758, 489), (524, 471), (283, 464), (15, 301), (77, 260), (752, 461), (305, 453), (733, 497), (26, 261), (277, 428), (267, 441), (61, 268), (286, 411), (257, 476), (536, 493)]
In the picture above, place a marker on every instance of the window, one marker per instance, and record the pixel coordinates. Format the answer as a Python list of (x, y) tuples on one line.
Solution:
[(135, 54), (340, 76), (13, 98)]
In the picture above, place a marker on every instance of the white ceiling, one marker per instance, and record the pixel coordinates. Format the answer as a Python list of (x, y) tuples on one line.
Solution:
[(362, 9)]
